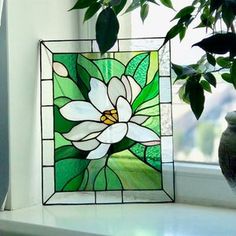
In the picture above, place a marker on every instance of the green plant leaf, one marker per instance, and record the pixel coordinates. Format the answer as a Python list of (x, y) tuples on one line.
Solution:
[(224, 62), (135, 4), (175, 30), (186, 11), (219, 43), (92, 10), (210, 78), (211, 59), (233, 73), (80, 4), (206, 86), (118, 8), (196, 96), (227, 77), (215, 4), (107, 28), (144, 11), (182, 33), (167, 3), (228, 15)]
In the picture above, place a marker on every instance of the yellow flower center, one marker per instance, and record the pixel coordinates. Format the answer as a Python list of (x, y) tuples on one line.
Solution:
[(109, 117)]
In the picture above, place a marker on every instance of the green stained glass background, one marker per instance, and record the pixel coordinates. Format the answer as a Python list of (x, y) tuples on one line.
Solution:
[(128, 165)]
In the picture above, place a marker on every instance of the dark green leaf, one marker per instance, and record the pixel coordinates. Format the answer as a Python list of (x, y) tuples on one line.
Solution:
[(153, 1), (115, 2), (227, 77), (80, 4), (135, 4), (231, 4), (211, 59), (107, 28), (196, 96), (183, 94), (219, 44), (228, 15), (175, 30), (118, 8), (184, 12), (223, 62), (167, 3), (206, 86), (215, 4), (144, 11), (182, 33), (233, 73), (177, 69), (210, 78), (92, 10)]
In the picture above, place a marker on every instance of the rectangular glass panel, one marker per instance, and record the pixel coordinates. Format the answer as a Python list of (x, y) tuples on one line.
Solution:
[(107, 123)]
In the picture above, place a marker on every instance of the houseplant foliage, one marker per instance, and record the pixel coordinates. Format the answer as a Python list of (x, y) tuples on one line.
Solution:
[(219, 47)]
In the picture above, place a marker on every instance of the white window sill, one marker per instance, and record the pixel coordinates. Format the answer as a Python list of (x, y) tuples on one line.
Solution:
[(132, 219)]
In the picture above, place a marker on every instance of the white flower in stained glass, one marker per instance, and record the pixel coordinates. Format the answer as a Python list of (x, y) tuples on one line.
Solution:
[(107, 118)]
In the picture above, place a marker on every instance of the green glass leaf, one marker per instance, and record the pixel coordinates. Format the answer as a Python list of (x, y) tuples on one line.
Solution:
[(153, 66), (92, 10), (149, 104), (118, 8), (167, 3), (148, 92), (134, 63), (196, 97), (80, 4), (184, 12), (210, 78), (211, 59), (150, 111), (107, 28), (125, 143), (206, 86), (85, 180), (233, 73), (70, 152), (153, 123), (61, 124), (133, 172), (109, 68), (139, 151), (61, 101), (65, 87), (89, 69), (60, 141), (69, 61), (153, 156), (144, 11), (73, 184), (66, 170), (100, 181)]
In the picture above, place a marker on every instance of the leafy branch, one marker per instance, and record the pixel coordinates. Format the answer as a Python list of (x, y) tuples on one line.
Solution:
[(196, 78)]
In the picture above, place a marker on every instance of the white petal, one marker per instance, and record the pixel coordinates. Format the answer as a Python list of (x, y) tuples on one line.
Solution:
[(115, 89), (135, 87), (99, 152), (98, 95), (152, 143), (139, 119), (60, 69), (113, 133), (141, 134), (86, 145), (127, 85), (80, 110), (84, 129), (124, 110), (91, 136)]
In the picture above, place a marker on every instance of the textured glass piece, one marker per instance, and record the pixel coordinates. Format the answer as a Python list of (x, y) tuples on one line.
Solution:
[(164, 58), (165, 89), (106, 123), (46, 63), (168, 177)]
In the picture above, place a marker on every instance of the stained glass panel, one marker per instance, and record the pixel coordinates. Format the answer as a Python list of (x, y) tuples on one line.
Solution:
[(106, 122)]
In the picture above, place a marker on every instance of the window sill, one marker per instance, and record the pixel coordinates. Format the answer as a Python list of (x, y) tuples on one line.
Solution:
[(131, 219), (202, 185)]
